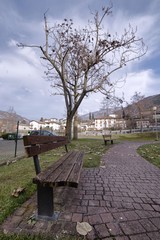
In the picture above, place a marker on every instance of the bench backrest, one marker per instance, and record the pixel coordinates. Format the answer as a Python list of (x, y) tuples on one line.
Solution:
[(35, 145), (107, 136)]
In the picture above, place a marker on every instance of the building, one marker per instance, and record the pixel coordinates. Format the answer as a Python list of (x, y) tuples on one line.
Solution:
[(49, 124), (109, 122)]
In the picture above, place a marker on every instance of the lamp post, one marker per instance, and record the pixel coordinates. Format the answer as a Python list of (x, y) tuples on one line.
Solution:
[(155, 116)]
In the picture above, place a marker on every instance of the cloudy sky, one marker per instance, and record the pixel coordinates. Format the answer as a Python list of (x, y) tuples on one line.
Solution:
[(22, 81)]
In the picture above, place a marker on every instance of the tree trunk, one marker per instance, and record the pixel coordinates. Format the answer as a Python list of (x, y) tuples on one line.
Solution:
[(68, 131), (75, 127)]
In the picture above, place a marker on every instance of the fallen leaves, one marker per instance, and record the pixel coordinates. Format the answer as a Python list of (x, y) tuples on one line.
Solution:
[(18, 191), (83, 228)]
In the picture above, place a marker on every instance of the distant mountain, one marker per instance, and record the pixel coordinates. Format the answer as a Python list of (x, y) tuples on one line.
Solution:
[(151, 101), (100, 113), (148, 104), (8, 115)]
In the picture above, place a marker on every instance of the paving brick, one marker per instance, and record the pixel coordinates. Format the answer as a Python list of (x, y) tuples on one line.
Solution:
[(103, 203), (94, 203), (154, 235), (147, 207), (121, 238), (94, 210), (20, 211), (148, 225), (65, 216), (108, 198), (127, 205), (98, 192), (132, 227), (77, 217), (140, 237), (137, 206), (116, 205), (114, 229), (156, 207), (81, 209), (95, 219), (144, 214), (118, 194), (106, 217), (88, 197), (119, 216), (101, 231), (84, 202), (97, 197), (131, 215), (156, 222)]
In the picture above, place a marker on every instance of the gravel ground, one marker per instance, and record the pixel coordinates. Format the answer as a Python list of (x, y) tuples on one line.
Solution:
[(7, 150)]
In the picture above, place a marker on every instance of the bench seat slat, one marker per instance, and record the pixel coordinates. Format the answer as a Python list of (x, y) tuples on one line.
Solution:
[(69, 169), (75, 174), (49, 171), (63, 172)]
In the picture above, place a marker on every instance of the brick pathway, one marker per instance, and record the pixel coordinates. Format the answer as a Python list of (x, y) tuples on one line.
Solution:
[(121, 200)]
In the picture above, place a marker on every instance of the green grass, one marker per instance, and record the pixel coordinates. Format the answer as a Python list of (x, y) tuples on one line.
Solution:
[(151, 152), (34, 237), (137, 136)]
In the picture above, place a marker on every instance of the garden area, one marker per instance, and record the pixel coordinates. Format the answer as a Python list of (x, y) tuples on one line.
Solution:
[(20, 173)]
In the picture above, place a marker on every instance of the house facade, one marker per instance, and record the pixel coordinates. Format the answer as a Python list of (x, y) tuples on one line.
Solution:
[(109, 122), (48, 123)]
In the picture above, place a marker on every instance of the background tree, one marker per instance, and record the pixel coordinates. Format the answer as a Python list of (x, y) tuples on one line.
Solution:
[(80, 61), (138, 106), (111, 104), (11, 120)]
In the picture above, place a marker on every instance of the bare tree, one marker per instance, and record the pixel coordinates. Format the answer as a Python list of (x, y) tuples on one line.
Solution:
[(10, 120), (111, 104), (138, 106), (81, 61)]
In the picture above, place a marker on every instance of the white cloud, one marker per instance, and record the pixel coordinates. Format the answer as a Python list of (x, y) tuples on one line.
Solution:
[(22, 72), (143, 81)]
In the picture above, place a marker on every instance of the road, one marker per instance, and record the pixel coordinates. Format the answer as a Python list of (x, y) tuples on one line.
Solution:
[(7, 150)]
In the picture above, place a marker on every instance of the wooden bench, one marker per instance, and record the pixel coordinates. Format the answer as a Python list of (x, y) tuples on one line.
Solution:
[(64, 172), (107, 138)]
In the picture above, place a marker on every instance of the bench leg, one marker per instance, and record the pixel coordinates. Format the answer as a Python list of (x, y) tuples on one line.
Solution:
[(105, 142), (45, 203), (111, 141)]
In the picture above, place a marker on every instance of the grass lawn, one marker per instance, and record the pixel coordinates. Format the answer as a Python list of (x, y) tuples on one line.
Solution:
[(151, 152), (146, 136)]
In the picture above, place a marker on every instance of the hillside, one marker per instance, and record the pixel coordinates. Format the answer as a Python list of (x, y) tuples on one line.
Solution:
[(148, 104), (7, 115)]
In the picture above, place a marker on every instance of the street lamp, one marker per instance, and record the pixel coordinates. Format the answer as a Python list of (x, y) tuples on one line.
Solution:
[(155, 116)]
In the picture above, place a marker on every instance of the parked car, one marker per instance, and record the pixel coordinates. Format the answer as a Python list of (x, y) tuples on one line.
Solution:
[(11, 136), (42, 133)]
